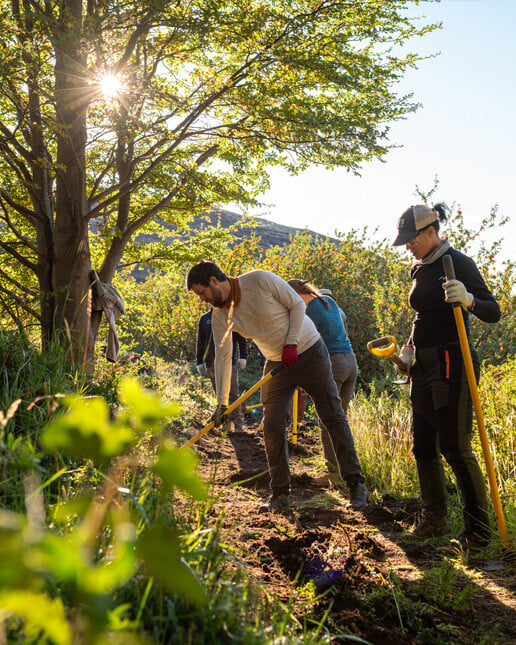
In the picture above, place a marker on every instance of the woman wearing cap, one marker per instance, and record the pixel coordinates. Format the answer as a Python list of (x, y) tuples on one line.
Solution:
[(441, 402), (326, 315)]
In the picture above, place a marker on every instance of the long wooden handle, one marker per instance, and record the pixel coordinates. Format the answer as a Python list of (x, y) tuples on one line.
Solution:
[(472, 381)]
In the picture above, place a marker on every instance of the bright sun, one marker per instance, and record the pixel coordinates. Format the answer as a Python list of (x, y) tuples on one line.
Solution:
[(110, 85)]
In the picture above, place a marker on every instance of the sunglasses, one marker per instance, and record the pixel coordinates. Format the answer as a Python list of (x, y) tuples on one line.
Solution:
[(414, 241)]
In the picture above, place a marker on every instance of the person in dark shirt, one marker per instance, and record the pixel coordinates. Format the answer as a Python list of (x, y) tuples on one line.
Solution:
[(205, 364), (442, 416)]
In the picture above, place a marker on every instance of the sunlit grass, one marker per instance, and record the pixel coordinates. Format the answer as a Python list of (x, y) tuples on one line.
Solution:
[(381, 427)]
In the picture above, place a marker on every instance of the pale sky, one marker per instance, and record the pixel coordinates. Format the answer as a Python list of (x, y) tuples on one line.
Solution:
[(464, 133)]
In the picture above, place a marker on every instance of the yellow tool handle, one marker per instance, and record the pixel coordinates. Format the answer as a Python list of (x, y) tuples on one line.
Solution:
[(252, 407), (234, 405), (294, 416), (472, 381), (384, 348)]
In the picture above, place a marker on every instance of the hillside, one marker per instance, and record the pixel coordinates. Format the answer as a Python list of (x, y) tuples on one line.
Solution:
[(270, 233)]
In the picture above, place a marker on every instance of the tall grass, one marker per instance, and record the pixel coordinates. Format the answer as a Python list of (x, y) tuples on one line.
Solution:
[(381, 426)]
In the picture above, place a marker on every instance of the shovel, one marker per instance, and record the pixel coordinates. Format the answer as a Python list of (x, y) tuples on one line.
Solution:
[(234, 405), (385, 347)]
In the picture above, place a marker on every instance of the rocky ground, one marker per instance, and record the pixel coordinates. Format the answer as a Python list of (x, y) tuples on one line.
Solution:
[(376, 583)]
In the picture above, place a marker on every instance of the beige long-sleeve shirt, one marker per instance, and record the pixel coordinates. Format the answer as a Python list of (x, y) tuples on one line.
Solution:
[(271, 313)]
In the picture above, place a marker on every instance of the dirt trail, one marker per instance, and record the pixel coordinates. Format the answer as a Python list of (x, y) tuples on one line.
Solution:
[(383, 588)]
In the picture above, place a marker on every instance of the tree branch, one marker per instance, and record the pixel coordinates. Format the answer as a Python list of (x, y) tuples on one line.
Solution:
[(17, 256), (14, 230), (166, 200), (28, 214), (20, 303), (18, 285)]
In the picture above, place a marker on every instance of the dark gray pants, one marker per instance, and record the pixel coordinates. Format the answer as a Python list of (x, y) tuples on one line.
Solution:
[(312, 372), (443, 424)]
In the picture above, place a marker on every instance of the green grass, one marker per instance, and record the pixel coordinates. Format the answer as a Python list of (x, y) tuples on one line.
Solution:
[(238, 610)]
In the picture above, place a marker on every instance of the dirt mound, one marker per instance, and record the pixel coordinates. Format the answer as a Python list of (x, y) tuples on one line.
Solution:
[(361, 567)]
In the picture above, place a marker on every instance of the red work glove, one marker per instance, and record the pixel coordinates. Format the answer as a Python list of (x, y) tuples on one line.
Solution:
[(289, 355)]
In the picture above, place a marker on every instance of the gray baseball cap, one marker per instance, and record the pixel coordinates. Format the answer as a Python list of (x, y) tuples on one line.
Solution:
[(413, 220)]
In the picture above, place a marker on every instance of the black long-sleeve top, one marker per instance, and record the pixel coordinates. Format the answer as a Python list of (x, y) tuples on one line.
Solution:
[(206, 346), (434, 322)]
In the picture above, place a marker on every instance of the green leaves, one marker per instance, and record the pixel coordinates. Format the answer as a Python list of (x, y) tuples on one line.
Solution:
[(67, 559), (86, 430), (43, 616), (142, 411), (160, 550), (176, 467), (99, 549)]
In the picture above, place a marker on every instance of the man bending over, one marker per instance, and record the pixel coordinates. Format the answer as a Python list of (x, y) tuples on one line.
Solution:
[(262, 306)]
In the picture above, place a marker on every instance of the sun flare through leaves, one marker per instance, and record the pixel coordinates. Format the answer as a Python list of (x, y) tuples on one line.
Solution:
[(110, 85)]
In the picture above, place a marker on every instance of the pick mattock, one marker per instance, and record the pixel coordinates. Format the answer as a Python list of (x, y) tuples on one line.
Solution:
[(234, 405), (472, 381)]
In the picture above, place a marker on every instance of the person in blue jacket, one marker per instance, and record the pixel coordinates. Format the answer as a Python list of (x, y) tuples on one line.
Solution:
[(327, 317)]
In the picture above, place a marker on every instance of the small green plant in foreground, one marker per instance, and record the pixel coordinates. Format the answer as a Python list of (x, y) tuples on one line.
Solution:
[(132, 553), (57, 585)]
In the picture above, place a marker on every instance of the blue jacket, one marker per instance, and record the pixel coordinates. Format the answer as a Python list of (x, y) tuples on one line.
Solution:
[(329, 324)]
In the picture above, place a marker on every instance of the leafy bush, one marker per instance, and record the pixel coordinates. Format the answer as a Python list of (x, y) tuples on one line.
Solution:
[(370, 281)]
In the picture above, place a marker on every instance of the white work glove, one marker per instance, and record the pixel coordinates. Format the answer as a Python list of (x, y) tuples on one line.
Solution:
[(242, 363), (201, 369), (456, 293), (406, 355)]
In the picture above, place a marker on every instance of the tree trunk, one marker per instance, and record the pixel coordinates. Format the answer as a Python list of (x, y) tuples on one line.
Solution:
[(71, 249)]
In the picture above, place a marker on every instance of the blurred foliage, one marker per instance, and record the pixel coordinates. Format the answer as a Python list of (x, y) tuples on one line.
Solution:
[(129, 551), (103, 545)]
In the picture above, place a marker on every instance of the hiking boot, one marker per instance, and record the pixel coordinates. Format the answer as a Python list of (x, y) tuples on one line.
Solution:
[(465, 543), (277, 504), (430, 526), (358, 495)]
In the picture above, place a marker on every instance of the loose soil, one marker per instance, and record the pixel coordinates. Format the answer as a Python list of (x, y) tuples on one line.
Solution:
[(377, 584)]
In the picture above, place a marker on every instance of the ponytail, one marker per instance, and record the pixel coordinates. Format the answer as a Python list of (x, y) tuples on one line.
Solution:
[(301, 286), (442, 212)]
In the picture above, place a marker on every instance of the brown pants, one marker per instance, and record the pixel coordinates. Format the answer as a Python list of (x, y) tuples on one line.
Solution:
[(312, 372)]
